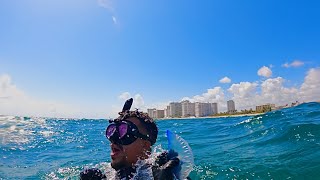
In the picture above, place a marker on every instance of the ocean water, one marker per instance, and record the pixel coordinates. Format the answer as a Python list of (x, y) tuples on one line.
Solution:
[(283, 144)]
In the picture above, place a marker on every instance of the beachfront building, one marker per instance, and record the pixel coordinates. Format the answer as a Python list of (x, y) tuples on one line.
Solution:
[(167, 112), (203, 109), (265, 108), (231, 107), (188, 108), (214, 107), (175, 109), (151, 112), (155, 113), (159, 114)]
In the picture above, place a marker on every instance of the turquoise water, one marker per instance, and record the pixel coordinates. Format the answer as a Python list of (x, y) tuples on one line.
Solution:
[(283, 144)]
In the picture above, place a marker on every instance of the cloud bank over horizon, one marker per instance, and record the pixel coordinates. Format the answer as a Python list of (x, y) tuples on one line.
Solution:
[(14, 101), (250, 94), (272, 90)]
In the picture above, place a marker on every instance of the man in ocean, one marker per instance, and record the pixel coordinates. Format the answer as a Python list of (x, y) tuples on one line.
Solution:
[(131, 136)]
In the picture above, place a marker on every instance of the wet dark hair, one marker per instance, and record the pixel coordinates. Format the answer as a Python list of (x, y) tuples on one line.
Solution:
[(144, 118)]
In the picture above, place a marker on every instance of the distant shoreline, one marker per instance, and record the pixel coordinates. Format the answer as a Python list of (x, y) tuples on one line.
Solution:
[(210, 117), (158, 119)]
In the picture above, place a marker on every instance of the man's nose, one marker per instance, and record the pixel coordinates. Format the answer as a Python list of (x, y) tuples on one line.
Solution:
[(115, 145)]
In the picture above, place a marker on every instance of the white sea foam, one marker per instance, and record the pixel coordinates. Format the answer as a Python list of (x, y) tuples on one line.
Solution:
[(47, 133), (20, 130)]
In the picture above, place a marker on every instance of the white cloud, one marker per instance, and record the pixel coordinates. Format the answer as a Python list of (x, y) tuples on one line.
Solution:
[(215, 95), (295, 63), (124, 96), (310, 89), (247, 95), (14, 101), (159, 105), (107, 4), (7, 89), (110, 7), (244, 94), (243, 89), (212, 95), (225, 80), (114, 111), (286, 65), (265, 72), (250, 94), (138, 101), (273, 91)]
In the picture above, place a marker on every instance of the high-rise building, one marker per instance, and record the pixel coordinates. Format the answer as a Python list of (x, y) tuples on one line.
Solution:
[(214, 107), (175, 109), (188, 109), (231, 107), (151, 112), (167, 112), (159, 114), (265, 108), (202, 109), (155, 113)]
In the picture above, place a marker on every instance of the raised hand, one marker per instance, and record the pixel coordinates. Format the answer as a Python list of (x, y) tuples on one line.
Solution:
[(163, 169)]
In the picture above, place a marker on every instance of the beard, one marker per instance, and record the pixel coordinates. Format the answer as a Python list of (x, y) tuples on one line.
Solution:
[(119, 163)]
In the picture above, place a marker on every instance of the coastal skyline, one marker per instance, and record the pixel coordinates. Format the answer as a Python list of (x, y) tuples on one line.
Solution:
[(85, 58)]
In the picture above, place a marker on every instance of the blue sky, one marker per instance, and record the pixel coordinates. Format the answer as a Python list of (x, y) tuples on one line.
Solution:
[(82, 58)]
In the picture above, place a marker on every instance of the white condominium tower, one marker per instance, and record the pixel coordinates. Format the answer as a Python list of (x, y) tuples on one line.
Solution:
[(188, 109), (159, 114), (231, 107), (175, 109), (214, 107), (155, 113), (202, 109), (167, 112), (151, 112)]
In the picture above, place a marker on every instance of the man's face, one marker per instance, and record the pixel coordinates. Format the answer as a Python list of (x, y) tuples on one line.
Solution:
[(127, 155)]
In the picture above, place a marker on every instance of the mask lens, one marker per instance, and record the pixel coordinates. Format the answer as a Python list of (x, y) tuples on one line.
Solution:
[(123, 129), (111, 130), (123, 133)]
